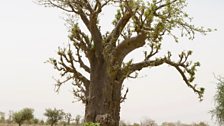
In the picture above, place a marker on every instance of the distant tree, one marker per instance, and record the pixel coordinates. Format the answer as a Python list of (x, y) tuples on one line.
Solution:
[(136, 124), (77, 120), (2, 117), (168, 124), (122, 123), (149, 122), (200, 124), (25, 114), (35, 121), (218, 111), (41, 122), (68, 118), (101, 55), (10, 117), (54, 115), (62, 123)]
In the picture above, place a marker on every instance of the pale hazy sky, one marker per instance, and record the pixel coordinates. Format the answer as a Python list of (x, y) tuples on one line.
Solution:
[(30, 34)]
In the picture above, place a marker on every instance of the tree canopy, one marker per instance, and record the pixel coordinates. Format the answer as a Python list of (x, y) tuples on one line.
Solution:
[(54, 115), (25, 114), (137, 23)]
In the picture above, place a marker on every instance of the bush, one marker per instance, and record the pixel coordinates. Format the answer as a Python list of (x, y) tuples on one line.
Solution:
[(91, 124)]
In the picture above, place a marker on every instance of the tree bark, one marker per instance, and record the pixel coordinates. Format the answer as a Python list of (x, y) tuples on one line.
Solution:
[(103, 102)]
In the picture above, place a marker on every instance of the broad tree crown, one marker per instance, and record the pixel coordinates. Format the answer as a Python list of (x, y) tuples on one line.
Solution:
[(137, 23)]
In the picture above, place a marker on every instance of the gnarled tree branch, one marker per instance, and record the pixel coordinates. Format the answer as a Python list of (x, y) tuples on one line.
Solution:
[(116, 32), (185, 68), (66, 65), (128, 46)]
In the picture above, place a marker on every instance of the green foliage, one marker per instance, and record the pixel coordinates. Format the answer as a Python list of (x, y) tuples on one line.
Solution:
[(54, 115), (25, 114), (35, 121), (201, 124), (136, 124), (218, 112), (91, 124), (147, 20)]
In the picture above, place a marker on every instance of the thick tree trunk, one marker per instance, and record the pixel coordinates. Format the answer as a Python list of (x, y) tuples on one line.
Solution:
[(103, 104)]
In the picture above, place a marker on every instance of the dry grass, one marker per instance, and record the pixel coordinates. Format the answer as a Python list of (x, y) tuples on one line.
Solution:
[(5, 124)]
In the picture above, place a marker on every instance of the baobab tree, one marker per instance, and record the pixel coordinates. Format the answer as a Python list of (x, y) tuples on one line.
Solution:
[(94, 62)]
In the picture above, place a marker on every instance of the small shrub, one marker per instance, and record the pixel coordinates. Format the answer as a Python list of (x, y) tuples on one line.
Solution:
[(91, 124)]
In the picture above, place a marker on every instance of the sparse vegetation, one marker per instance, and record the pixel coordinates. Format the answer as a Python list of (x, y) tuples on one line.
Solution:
[(58, 117)]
